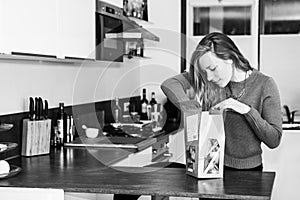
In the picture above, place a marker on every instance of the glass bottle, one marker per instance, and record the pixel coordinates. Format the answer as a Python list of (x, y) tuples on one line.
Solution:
[(153, 100), (117, 111), (153, 106), (61, 124), (144, 103)]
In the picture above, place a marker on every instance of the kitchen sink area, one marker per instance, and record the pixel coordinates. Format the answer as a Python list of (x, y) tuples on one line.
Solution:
[(293, 126)]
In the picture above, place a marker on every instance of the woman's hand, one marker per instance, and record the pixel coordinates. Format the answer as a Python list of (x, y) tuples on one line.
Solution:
[(232, 104)]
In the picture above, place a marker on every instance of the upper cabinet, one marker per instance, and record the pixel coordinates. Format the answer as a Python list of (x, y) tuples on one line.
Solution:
[(2, 21), (64, 29), (280, 17), (76, 28), (29, 26), (50, 28), (238, 19)]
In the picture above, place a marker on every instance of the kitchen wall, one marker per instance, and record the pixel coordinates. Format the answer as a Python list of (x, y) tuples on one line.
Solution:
[(163, 58), (164, 62), (90, 81), (69, 83), (280, 59)]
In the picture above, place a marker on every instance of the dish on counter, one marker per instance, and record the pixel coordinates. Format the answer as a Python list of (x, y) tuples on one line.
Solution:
[(14, 170), (5, 127), (5, 146), (141, 124)]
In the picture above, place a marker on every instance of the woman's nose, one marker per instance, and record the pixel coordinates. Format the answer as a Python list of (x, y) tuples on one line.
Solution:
[(209, 76)]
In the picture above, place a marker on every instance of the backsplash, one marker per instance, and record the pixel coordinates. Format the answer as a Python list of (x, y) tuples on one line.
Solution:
[(15, 134)]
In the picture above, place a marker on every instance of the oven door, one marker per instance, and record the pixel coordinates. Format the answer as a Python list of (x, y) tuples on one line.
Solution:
[(108, 49)]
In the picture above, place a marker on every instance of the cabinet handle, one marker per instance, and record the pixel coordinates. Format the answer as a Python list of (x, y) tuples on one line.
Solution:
[(168, 154)]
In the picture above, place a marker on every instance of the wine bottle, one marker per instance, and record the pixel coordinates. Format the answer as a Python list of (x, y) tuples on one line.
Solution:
[(144, 103), (117, 111), (142, 50), (153, 100)]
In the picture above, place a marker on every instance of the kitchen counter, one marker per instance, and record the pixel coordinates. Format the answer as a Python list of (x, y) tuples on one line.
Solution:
[(92, 170), (76, 170)]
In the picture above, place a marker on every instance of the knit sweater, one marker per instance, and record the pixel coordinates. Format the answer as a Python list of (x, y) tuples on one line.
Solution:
[(243, 132)]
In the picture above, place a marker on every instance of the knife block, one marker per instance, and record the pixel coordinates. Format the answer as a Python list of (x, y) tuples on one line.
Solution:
[(36, 137)]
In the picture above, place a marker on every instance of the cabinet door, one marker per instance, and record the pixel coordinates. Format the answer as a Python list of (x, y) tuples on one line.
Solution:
[(30, 26), (141, 158), (285, 161), (76, 28), (238, 19), (138, 159), (176, 147), (2, 21)]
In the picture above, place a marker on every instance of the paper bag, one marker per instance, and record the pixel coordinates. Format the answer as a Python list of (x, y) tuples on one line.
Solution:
[(204, 143)]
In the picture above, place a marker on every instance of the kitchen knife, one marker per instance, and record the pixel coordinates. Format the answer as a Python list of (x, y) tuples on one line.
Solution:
[(40, 108), (37, 112), (31, 109), (46, 109)]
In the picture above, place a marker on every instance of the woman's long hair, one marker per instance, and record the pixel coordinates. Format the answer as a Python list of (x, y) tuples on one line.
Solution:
[(224, 48)]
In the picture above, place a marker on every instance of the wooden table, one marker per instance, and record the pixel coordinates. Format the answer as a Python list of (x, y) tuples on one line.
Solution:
[(75, 170)]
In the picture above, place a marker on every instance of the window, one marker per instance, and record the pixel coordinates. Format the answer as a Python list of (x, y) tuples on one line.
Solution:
[(280, 16), (231, 20)]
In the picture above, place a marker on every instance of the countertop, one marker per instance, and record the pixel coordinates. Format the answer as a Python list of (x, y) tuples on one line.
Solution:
[(76, 170), (89, 170)]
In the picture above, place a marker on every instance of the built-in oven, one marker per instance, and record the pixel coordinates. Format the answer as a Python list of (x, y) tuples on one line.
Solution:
[(108, 21)]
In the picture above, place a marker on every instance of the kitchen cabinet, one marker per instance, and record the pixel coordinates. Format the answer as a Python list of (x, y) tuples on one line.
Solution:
[(76, 28), (87, 196), (285, 161), (2, 21), (61, 28), (138, 159), (238, 19), (29, 26), (176, 147), (14, 193)]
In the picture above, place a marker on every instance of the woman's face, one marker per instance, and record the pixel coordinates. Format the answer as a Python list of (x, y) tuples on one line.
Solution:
[(218, 71)]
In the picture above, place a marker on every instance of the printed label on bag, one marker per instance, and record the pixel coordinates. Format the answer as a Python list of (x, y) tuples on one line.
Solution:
[(192, 127)]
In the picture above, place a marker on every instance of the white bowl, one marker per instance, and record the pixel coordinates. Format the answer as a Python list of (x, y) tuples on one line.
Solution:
[(91, 132)]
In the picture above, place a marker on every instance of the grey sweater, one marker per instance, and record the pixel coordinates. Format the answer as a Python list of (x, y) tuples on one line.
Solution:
[(243, 133)]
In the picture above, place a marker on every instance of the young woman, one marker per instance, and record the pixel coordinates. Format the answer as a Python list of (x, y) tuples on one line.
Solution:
[(222, 78)]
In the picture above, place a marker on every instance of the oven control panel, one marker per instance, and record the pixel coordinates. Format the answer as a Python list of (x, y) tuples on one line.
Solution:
[(109, 9)]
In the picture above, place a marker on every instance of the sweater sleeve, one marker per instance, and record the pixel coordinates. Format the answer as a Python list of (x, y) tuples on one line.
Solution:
[(175, 88), (268, 124)]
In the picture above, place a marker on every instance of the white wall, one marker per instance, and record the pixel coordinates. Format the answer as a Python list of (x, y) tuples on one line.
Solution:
[(68, 83), (164, 18), (280, 59)]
